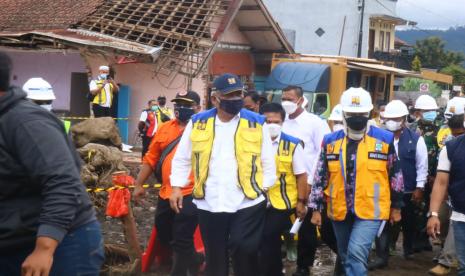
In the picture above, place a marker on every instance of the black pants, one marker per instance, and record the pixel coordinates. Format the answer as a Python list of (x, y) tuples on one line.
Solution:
[(383, 242), (239, 233), (177, 231), (100, 111), (307, 243), (145, 146), (277, 222), (408, 223)]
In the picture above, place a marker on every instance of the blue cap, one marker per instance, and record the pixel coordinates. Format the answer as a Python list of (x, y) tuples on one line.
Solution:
[(227, 83)]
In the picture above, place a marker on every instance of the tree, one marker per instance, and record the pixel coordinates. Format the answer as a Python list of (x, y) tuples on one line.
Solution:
[(416, 64), (432, 54), (456, 71), (413, 84)]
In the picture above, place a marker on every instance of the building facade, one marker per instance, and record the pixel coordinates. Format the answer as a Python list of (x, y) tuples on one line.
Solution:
[(332, 27)]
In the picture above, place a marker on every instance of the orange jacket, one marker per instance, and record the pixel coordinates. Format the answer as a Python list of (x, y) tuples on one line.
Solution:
[(166, 133)]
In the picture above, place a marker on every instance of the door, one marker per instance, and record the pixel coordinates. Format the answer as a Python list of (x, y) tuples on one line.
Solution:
[(371, 43), (123, 109), (79, 104)]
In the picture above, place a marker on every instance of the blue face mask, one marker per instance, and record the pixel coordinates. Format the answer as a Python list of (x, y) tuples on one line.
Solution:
[(154, 107), (429, 116)]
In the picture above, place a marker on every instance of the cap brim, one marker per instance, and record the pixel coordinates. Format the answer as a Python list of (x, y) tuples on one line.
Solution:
[(231, 90), (183, 100)]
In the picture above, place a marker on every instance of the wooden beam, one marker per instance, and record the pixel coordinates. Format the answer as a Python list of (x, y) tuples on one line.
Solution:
[(249, 8), (256, 29)]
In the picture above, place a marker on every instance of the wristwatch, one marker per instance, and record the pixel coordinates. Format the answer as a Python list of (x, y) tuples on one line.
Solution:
[(432, 214)]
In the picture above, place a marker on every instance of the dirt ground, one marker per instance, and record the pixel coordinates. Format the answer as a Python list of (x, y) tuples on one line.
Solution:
[(324, 262)]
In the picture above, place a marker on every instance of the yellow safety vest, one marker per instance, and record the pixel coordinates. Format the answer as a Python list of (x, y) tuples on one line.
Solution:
[(283, 195), (67, 125), (101, 96), (444, 135), (372, 195), (248, 146)]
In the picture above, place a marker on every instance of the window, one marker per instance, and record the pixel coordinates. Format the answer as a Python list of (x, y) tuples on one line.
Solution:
[(381, 41), (321, 103), (388, 41)]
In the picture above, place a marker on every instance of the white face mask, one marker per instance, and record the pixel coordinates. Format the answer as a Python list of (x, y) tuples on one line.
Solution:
[(274, 130), (103, 76), (289, 107), (338, 127), (47, 107), (393, 125)]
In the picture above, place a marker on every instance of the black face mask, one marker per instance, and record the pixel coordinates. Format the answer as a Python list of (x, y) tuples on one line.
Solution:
[(162, 102), (232, 106), (357, 123), (455, 122), (183, 114)]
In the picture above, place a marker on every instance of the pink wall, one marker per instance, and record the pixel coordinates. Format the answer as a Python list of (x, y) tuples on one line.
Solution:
[(54, 67)]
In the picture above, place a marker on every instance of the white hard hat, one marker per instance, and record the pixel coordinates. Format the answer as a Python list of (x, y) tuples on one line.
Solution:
[(104, 68), (356, 100), (455, 106), (336, 114), (39, 89), (395, 109), (426, 102)]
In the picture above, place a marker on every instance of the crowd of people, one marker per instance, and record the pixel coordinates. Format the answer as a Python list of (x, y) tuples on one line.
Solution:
[(245, 172)]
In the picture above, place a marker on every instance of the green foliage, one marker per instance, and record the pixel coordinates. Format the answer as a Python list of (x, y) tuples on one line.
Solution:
[(458, 72), (433, 55), (413, 84), (416, 64)]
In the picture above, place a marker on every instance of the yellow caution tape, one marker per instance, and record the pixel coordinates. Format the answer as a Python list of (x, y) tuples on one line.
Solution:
[(85, 118), (101, 190)]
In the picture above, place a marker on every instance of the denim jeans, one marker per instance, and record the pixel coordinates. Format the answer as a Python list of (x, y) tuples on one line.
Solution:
[(354, 238), (459, 235), (79, 254)]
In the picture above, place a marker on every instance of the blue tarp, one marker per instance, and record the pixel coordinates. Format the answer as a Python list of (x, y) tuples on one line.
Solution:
[(312, 77)]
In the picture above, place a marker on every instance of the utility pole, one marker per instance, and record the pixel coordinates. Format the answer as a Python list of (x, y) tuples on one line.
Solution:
[(360, 34)]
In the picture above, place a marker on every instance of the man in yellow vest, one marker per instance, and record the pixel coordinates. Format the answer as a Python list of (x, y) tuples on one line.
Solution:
[(359, 176), (288, 196), (230, 153), (103, 89)]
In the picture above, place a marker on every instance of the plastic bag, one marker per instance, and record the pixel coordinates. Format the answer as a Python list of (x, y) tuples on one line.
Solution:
[(118, 199)]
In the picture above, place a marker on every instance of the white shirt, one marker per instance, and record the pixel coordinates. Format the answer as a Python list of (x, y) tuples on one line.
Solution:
[(310, 129), (421, 161), (93, 85), (444, 165), (298, 159), (222, 190)]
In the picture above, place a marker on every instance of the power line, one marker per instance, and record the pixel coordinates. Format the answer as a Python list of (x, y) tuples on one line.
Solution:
[(433, 13)]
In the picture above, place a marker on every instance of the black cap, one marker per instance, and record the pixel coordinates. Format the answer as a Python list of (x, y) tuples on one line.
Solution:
[(227, 83), (161, 98), (187, 96)]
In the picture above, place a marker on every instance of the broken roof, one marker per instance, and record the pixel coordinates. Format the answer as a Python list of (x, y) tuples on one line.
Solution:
[(185, 31)]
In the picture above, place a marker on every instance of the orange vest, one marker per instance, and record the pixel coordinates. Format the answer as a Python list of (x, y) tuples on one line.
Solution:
[(372, 195)]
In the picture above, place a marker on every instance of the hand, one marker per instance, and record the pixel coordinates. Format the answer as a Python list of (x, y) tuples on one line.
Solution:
[(176, 200), (434, 226), (301, 210), (417, 196), (138, 193), (40, 261), (394, 216), (316, 218)]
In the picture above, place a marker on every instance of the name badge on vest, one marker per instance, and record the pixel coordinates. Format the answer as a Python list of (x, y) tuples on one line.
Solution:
[(202, 125), (332, 157), (378, 146), (377, 156)]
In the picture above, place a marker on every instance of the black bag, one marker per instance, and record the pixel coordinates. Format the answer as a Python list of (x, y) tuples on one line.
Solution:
[(164, 154), (164, 117), (90, 97)]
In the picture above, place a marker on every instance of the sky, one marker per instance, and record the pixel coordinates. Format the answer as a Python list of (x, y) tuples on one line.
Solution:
[(433, 14)]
